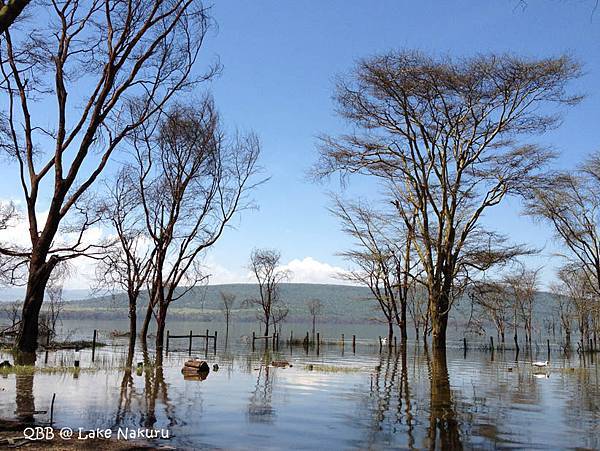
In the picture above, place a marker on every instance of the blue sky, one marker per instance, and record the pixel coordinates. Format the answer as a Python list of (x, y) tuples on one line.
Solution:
[(280, 59)]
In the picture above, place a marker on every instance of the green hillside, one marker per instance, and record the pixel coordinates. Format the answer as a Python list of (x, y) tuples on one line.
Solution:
[(341, 303)]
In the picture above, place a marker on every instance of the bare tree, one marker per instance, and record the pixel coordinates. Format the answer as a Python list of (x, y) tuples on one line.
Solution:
[(127, 264), (12, 311), (383, 258), (418, 311), (279, 313), (191, 180), (93, 59), (264, 263), (523, 286), (495, 302), (315, 306), (227, 301), (9, 11), (445, 135), (570, 202), (579, 302)]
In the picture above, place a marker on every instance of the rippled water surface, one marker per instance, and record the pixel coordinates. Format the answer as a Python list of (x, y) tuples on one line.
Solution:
[(338, 399)]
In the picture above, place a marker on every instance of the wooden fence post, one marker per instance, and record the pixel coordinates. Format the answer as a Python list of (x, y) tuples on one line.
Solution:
[(380, 345), (318, 343), (168, 333), (253, 338), (215, 343), (354, 344), (206, 344), (94, 345), (190, 346)]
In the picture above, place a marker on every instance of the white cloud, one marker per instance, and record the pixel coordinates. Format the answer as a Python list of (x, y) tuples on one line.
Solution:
[(309, 270)]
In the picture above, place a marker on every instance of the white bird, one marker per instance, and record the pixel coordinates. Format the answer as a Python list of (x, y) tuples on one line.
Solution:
[(540, 364), (384, 341)]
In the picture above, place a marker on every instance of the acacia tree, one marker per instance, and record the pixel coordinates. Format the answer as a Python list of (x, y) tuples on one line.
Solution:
[(92, 59), (191, 181), (578, 301), (383, 260), (264, 264), (127, 264), (445, 134), (570, 203)]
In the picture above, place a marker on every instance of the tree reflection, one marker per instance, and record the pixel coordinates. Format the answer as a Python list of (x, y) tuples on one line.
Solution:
[(443, 425), (260, 409), (24, 399)]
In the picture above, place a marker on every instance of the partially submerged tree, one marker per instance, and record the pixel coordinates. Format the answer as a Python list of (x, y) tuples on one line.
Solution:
[(446, 135), (496, 304), (127, 263), (191, 180), (523, 285), (264, 264), (382, 259), (92, 59), (227, 303), (315, 307), (578, 302)]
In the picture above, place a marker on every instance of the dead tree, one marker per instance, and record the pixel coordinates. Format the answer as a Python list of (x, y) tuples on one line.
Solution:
[(191, 179), (579, 302), (523, 285), (445, 134), (315, 307), (493, 299), (227, 302), (92, 59), (265, 265), (383, 260), (127, 264)]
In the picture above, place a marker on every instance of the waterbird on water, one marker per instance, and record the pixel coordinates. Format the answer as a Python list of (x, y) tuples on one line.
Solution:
[(540, 364), (384, 341)]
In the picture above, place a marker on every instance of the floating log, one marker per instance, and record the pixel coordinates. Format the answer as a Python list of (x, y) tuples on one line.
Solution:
[(195, 377), (280, 363), (196, 365)]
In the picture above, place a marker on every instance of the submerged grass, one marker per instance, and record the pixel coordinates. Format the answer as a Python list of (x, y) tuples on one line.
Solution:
[(332, 369)]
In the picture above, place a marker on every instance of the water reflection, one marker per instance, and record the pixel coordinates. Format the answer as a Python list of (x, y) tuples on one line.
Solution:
[(260, 409), (444, 431), (413, 398)]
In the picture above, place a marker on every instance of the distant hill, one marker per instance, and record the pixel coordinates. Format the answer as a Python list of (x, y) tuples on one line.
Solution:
[(10, 294), (341, 303)]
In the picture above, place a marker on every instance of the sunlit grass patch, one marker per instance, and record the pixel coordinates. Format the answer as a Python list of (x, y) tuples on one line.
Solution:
[(332, 368)]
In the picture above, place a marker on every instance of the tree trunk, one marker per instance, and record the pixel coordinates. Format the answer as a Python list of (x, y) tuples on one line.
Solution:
[(403, 331), (390, 332), (39, 273), (161, 322), (439, 320), (146, 323), (132, 331)]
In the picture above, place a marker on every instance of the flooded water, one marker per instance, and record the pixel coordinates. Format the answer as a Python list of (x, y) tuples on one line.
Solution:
[(338, 399)]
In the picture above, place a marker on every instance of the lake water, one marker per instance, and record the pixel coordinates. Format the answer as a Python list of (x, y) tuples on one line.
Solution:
[(338, 399)]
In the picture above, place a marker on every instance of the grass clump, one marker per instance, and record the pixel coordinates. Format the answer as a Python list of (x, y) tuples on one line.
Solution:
[(332, 369)]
